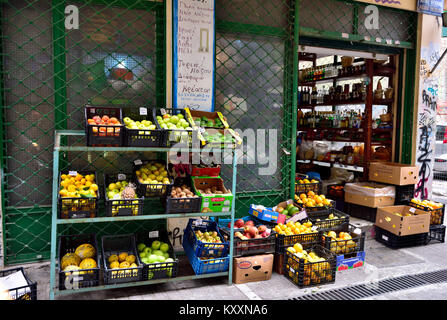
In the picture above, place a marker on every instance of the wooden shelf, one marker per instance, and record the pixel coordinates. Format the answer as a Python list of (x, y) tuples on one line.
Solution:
[(382, 102)]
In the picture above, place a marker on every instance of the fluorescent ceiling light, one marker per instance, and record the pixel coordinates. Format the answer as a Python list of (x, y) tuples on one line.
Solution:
[(349, 53)]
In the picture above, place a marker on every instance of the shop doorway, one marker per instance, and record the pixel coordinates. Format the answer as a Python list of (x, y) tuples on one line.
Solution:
[(349, 111)]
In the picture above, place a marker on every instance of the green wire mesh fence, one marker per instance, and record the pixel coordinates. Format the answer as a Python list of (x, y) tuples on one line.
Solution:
[(49, 73)]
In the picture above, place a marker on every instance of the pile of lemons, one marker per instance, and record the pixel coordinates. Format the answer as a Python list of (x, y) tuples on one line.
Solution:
[(153, 173), (78, 186), (293, 228)]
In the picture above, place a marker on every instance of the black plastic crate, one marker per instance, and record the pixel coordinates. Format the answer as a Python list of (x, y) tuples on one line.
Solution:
[(342, 247), (104, 135), (404, 194), (149, 190), (436, 215), (158, 270), (396, 242), (184, 204), (436, 233), (311, 273), (316, 187), (75, 208), (28, 292), (143, 137), (322, 221), (176, 137), (336, 192), (307, 240), (361, 212), (82, 278), (205, 249), (251, 246), (114, 245), (121, 207)]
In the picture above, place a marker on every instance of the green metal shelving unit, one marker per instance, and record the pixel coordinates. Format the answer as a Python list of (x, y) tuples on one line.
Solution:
[(55, 221)]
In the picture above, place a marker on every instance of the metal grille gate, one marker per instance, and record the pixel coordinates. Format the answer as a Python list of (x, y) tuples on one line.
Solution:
[(49, 73)]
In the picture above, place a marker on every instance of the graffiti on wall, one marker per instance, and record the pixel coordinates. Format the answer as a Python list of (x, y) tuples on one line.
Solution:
[(426, 121)]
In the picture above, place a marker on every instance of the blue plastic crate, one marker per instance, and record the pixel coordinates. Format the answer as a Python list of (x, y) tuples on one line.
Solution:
[(205, 249), (204, 266)]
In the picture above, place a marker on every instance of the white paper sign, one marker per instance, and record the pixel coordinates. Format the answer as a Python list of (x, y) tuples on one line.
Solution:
[(153, 234), (194, 48), (143, 111)]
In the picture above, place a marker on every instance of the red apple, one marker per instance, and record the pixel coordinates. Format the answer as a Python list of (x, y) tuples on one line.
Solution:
[(249, 223), (265, 234), (262, 228), (239, 223), (253, 231), (229, 224), (247, 235), (238, 234)]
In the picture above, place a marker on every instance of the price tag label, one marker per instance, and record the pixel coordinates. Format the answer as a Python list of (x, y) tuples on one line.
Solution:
[(314, 228), (73, 173), (92, 110), (121, 176), (358, 231), (379, 40), (163, 111), (367, 38), (412, 210), (138, 162), (153, 234), (389, 41), (299, 216), (345, 35), (143, 111), (384, 237)]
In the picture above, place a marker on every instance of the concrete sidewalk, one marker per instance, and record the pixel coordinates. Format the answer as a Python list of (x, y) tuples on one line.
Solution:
[(381, 263)]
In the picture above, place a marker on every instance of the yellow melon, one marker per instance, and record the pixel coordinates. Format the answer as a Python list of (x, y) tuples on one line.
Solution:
[(85, 251), (71, 270), (122, 256), (70, 259), (88, 263)]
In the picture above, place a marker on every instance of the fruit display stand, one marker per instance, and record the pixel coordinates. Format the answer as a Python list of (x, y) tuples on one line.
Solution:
[(56, 222)]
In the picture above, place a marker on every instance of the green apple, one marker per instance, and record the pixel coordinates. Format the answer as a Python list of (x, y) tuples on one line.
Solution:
[(166, 255), (141, 247), (143, 255), (155, 245), (148, 251), (164, 247)]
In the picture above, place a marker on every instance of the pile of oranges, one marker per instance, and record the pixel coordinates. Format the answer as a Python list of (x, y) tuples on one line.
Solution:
[(293, 228), (312, 200)]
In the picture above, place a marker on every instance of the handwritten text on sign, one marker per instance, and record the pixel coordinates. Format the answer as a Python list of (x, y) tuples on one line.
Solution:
[(194, 54)]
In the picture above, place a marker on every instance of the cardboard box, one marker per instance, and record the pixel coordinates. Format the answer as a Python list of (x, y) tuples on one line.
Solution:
[(370, 194), (212, 202), (417, 222), (254, 268), (393, 173), (345, 262), (267, 214)]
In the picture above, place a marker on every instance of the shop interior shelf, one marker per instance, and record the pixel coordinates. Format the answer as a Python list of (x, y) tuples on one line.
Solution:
[(376, 102), (335, 164)]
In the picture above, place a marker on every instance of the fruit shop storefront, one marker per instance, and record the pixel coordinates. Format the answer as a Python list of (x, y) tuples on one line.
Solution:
[(93, 96)]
